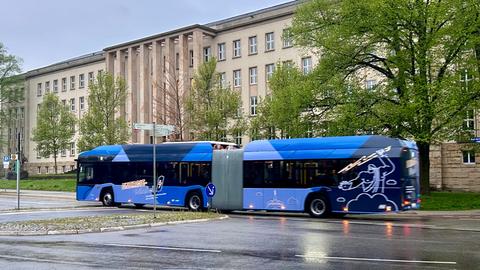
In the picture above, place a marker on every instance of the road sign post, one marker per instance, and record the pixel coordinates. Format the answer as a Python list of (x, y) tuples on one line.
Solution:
[(18, 170), (154, 174)]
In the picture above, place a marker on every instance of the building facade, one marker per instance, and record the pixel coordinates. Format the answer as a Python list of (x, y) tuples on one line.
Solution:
[(247, 47)]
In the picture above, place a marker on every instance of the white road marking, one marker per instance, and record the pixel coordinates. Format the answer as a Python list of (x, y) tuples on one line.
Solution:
[(166, 248), (20, 258), (373, 259)]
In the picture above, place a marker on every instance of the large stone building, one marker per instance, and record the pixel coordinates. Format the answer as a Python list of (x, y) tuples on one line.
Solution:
[(247, 48)]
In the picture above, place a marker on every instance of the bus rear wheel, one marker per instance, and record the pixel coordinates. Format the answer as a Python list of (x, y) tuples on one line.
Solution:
[(194, 201), (318, 207), (107, 198)]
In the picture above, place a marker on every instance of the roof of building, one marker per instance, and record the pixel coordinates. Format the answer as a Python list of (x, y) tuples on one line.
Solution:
[(70, 63)]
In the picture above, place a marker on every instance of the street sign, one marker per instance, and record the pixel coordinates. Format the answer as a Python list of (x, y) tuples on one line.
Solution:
[(6, 159), (160, 130), (210, 190), (6, 165)]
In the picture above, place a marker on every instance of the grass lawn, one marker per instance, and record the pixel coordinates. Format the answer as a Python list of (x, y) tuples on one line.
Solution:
[(450, 201), (47, 184)]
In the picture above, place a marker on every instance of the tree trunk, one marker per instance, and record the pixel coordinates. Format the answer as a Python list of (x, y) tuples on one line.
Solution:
[(55, 160), (424, 151)]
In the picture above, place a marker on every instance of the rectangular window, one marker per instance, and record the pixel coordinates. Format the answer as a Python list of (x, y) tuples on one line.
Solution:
[(253, 105), (252, 45), (469, 120), (207, 52), (47, 87), (269, 69), (64, 102), (81, 81), (91, 78), (177, 61), (72, 104), (466, 78), (46, 169), (39, 89), (81, 102), (253, 75), (370, 84), (72, 82), (237, 48), (468, 157), (64, 84), (38, 108), (237, 80), (39, 170), (72, 149), (63, 153), (287, 39), (190, 60), (55, 86), (269, 42), (222, 79), (221, 52), (306, 65), (238, 138)]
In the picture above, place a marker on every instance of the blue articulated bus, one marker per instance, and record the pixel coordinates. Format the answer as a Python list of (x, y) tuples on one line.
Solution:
[(320, 176)]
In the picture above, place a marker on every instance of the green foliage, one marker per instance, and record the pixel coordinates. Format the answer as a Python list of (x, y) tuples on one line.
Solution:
[(101, 124), (415, 50), (54, 130), (213, 108), (46, 184), (451, 201)]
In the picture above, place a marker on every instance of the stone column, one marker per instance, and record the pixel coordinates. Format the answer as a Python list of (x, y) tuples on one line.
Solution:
[(110, 60), (132, 89), (157, 82), (119, 68), (144, 90), (197, 49), (170, 79)]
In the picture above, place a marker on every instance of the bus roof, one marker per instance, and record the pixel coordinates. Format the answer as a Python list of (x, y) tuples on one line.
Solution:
[(187, 151), (324, 147)]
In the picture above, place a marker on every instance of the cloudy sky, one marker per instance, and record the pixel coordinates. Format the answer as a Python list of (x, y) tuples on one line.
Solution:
[(49, 31)]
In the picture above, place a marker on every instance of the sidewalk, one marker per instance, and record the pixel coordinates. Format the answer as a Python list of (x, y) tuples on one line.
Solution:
[(39, 193)]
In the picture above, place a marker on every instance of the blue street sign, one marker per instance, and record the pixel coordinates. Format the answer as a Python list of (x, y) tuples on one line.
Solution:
[(210, 190), (6, 158)]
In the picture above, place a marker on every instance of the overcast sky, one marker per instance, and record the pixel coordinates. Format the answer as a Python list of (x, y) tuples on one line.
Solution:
[(49, 31)]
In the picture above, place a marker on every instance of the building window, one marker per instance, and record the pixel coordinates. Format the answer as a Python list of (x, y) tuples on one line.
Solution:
[(253, 75), (465, 79), (91, 78), (72, 167), (64, 84), (39, 170), (221, 52), (72, 82), (306, 65), (190, 60), (207, 52), (72, 149), (469, 120), (238, 138), (468, 157), (287, 39), (222, 79), (64, 168), (237, 48), (38, 108), (72, 104), (55, 86), (253, 105), (81, 102), (47, 87), (46, 169), (64, 102), (269, 42), (269, 69), (237, 79), (39, 89), (63, 152), (370, 84), (252, 45), (81, 81), (177, 61)]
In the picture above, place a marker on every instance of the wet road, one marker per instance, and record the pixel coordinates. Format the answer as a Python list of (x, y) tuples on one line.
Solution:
[(252, 242), (39, 199)]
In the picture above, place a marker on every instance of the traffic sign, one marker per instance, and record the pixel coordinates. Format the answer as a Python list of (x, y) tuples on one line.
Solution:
[(160, 130), (6, 165), (6, 158), (210, 190)]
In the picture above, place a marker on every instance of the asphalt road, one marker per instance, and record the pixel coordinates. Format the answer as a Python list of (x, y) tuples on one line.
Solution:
[(251, 242)]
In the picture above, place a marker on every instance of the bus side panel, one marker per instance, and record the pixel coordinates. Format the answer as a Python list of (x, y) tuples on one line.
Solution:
[(357, 201), (287, 199), (167, 195), (90, 193)]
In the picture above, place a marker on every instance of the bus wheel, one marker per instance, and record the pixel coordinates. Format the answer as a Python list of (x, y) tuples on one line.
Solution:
[(194, 201), (139, 205), (318, 207), (107, 198)]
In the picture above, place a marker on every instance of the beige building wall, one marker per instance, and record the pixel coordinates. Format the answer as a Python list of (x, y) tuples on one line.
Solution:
[(51, 79)]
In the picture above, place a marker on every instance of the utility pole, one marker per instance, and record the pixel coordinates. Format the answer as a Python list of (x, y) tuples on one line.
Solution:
[(154, 174), (18, 170)]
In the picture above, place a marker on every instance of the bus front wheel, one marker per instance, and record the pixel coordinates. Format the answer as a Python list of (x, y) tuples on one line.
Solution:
[(318, 207), (194, 201), (107, 198)]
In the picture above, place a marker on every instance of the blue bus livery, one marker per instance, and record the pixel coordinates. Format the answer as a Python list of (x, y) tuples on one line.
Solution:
[(321, 176)]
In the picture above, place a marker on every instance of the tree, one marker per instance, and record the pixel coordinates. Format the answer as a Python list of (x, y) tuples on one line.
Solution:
[(213, 108), (10, 86), (416, 50), (54, 131), (102, 124)]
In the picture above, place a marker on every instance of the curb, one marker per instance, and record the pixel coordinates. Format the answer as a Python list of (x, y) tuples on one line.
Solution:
[(107, 229)]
